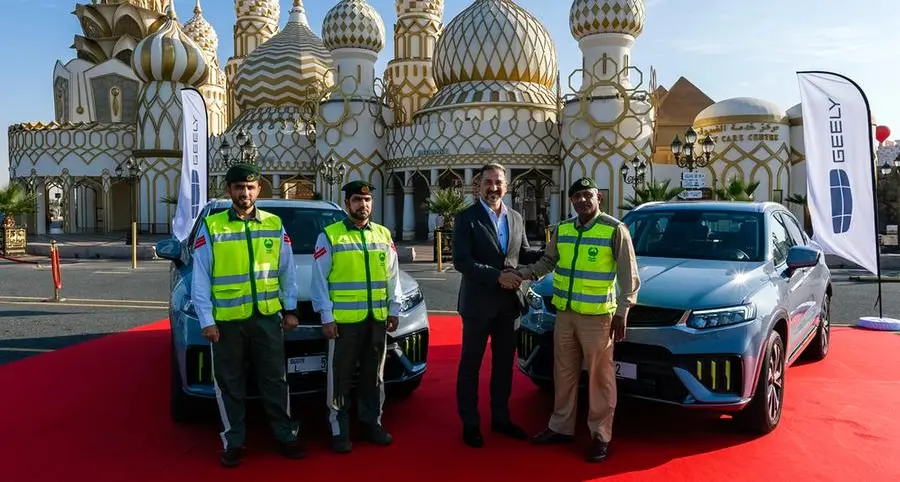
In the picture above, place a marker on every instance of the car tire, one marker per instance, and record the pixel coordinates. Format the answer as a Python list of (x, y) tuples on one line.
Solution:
[(184, 409), (818, 348), (763, 413)]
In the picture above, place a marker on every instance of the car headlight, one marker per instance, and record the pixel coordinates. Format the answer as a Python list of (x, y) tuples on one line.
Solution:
[(411, 300), (188, 308), (534, 300), (721, 317)]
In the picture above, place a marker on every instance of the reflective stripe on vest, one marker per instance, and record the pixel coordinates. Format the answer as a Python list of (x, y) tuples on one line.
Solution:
[(585, 275), (246, 257), (357, 284)]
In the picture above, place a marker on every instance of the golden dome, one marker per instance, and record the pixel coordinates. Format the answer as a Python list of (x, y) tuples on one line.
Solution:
[(287, 69), (169, 55), (591, 17), (353, 24), (495, 40), (201, 31), (269, 9)]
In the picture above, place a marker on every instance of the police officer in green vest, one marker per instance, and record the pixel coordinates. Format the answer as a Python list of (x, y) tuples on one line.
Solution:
[(245, 294), (356, 290), (591, 255)]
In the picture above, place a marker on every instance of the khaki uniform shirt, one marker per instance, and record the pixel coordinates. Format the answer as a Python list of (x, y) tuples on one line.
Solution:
[(627, 277)]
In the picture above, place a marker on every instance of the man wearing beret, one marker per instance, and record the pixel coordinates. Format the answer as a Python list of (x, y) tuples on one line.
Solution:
[(356, 290), (591, 254), (245, 294)]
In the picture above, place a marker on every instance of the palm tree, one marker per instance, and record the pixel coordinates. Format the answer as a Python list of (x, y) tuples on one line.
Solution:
[(446, 203), (737, 190), (653, 191), (15, 200)]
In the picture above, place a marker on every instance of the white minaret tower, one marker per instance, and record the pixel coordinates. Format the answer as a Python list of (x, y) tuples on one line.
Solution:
[(166, 61), (609, 123), (214, 90), (353, 131), (257, 22), (419, 24)]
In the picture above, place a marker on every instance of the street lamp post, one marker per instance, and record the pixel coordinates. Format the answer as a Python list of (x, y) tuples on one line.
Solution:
[(247, 151), (131, 171), (332, 173), (887, 169), (640, 171), (686, 157)]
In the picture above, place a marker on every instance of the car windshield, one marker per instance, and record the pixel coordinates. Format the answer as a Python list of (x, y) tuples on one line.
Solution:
[(696, 234), (303, 225)]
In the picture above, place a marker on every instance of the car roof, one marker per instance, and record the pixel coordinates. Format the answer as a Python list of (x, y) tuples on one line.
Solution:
[(730, 206), (279, 202)]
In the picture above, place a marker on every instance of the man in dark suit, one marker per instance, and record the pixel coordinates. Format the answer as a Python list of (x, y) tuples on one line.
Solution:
[(488, 244)]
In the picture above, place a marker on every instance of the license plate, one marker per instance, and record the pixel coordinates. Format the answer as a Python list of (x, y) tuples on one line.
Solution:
[(626, 370), (306, 364)]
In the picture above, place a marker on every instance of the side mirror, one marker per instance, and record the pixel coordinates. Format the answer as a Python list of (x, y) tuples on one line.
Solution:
[(802, 257), (169, 249)]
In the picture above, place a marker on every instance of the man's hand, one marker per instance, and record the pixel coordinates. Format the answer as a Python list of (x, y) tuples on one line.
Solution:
[(392, 322), (510, 279), (211, 333), (289, 321), (617, 328), (330, 330)]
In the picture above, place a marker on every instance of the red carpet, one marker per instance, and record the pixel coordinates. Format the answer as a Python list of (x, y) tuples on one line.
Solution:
[(99, 411)]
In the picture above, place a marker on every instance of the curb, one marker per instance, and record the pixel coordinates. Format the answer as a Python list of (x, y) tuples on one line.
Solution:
[(144, 252), (874, 279)]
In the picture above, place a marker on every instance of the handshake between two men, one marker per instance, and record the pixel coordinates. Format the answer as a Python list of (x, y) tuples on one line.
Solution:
[(510, 279)]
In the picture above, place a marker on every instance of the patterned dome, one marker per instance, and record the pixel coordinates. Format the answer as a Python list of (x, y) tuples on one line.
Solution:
[(169, 55), (258, 8), (201, 31), (591, 17), (353, 24), (495, 40), (287, 69)]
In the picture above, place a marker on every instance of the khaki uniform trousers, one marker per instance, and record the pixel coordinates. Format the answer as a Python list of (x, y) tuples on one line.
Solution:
[(583, 340)]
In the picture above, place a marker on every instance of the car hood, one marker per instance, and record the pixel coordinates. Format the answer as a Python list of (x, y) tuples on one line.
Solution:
[(690, 284), (304, 265)]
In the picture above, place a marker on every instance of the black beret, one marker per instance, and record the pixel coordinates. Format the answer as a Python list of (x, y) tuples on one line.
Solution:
[(583, 183), (243, 173), (357, 187)]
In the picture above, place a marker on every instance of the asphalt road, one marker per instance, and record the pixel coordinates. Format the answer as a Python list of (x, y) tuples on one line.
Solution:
[(107, 296)]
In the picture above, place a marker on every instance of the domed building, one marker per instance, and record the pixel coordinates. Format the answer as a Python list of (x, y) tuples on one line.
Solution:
[(312, 112)]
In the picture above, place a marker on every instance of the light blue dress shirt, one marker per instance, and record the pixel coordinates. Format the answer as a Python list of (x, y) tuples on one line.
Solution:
[(500, 223), (201, 291)]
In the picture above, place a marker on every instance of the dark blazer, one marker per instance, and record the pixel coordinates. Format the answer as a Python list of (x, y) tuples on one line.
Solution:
[(478, 257)]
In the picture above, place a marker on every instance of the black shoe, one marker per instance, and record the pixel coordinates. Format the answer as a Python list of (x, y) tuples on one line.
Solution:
[(232, 457), (377, 435), (509, 429), (549, 437), (341, 444), (472, 437), (597, 451), (292, 450)]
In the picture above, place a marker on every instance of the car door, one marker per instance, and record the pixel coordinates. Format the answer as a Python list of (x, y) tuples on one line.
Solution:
[(792, 295), (810, 282)]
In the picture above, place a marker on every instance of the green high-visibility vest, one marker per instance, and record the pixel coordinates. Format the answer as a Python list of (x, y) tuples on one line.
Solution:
[(585, 275), (357, 283), (245, 262)]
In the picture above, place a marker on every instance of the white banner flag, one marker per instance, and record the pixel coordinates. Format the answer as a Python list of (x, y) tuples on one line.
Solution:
[(837, 137), (194, 145)]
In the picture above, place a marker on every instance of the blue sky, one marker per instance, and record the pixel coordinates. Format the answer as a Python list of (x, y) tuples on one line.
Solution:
[(726, 48)]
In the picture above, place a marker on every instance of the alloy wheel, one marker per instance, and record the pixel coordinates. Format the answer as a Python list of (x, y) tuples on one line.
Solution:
[(826, 326), (775, 385)]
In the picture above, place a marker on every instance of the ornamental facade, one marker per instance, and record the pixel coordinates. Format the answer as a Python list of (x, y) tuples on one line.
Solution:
[(310, 109)]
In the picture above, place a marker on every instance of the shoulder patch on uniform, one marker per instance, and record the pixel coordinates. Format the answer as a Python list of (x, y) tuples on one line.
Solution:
[(200, 242), (393, 246), (320, 252), (287, 239)]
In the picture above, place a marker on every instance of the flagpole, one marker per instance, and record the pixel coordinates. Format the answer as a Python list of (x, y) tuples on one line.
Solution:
[(872, 164)]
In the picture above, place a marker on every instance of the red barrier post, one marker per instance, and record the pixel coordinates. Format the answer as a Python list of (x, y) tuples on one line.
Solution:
[(55, 270)]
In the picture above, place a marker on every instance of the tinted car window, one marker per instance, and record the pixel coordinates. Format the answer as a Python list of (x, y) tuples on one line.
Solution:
[(713, 235), (303, 225), (781, 240), (793, 229)]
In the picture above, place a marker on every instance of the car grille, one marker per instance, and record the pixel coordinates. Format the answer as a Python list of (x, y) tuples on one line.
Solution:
[(307, 315), (415, 346), (650, 317), (719, 374)]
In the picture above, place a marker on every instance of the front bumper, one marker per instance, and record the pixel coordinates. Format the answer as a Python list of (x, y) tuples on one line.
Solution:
[(714, 370), (405, 360)]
